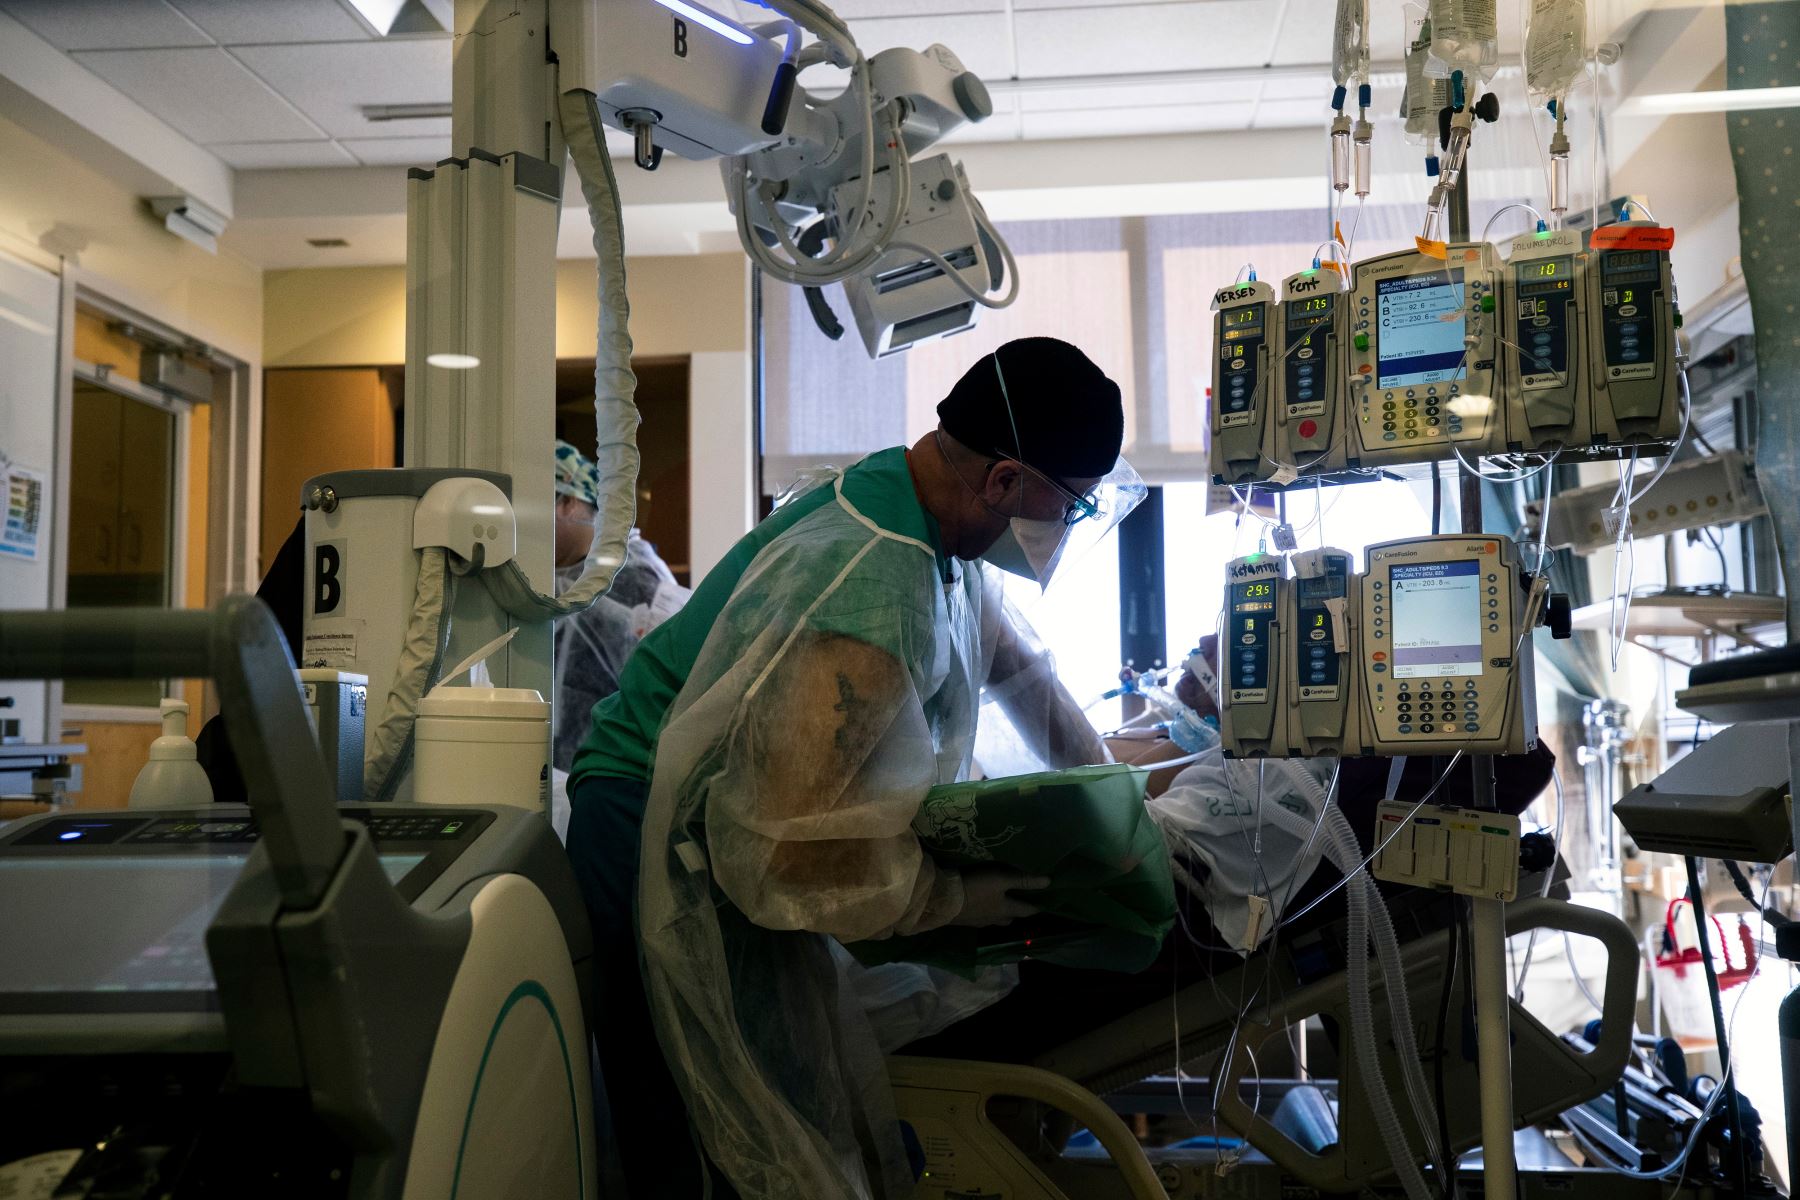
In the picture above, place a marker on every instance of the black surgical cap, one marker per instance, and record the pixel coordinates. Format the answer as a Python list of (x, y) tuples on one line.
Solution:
[(1071, 422)]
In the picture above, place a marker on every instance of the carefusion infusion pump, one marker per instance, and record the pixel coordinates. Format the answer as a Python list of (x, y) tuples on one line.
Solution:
[(1631, 323), (1447, 660), (1546, 279), (1241, 380), (1423, 652), (1422, 359), (1319, 671), (1308, 425), (1250, 657), (1567, 346)]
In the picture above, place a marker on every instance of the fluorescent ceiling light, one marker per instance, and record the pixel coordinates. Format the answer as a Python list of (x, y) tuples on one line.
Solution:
[(700, 16), (404, 16), (1730, 100), (453, 362), (379, 13)]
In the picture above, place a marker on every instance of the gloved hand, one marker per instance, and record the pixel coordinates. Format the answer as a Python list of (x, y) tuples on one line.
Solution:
[(987, 898)]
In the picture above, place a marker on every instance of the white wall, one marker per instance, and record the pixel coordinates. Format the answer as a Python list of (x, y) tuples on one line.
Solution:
[(30, 312), (721, 479)]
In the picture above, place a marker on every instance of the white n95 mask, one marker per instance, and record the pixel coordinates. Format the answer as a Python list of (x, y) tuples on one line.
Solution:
[(1029, 549)]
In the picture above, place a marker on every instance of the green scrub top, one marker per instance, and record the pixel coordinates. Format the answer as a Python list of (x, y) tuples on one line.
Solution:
[(622, 741)]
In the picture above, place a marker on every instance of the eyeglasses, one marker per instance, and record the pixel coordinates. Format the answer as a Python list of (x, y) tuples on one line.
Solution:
[(1078, 508)]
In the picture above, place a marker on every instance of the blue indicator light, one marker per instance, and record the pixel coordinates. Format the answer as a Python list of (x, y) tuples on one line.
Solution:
[(70, 836)]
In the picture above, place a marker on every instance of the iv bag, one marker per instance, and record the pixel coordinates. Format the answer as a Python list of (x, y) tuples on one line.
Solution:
[(1350, 43), (1555, 46), (1425, 96), (1465, 37)]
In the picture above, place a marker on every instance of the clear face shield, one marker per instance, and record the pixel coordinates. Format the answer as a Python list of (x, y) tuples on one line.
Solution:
[(1035, 549), (1090, 517)]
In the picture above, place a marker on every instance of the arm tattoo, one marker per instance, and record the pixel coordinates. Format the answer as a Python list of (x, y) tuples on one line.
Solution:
[(854, 709)]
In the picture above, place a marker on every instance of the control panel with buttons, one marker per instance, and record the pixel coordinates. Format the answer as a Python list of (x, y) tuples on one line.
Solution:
[(1241, 381), (1251, 720), (1423, 372), (1444, 666), (1547, 408), (1320, 678), (1631, 334), (1465, 850), (1308, 429)]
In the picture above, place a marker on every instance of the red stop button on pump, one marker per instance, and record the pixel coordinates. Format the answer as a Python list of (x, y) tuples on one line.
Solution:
[(1308, 428)]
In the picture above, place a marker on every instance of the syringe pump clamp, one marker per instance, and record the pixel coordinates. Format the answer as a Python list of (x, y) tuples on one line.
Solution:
[(1559, 616)]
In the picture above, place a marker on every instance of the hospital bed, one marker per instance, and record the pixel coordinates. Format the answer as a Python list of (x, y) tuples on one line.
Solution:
[(1000, 1129)]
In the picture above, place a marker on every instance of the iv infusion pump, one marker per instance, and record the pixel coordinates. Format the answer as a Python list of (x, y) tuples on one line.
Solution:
[(1422, 363), (1632, 320), (1566, 345), (1241, 380), (1427, 651), (1307, 421)]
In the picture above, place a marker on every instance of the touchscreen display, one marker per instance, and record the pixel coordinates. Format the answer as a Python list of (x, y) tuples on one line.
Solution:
[(118, 924), (1420, 334), (1437, 619)]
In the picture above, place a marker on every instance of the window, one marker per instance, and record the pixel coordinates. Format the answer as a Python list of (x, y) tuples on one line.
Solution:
[(1136, 294), (121, 519), (1198, 544)]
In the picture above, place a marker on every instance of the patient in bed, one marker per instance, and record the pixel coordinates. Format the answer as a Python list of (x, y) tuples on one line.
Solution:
[(1207, 813)]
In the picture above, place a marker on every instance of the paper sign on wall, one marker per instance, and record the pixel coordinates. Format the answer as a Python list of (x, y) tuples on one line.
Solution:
[(22, 526)]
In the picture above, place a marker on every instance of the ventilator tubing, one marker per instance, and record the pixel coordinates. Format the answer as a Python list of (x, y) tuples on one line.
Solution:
[(1344, 851)]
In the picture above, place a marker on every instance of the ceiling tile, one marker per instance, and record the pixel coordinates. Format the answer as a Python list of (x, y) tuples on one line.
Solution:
[(1144, 37), (206, 94), (105, 24), (331, 83), (979, 40), (1306, 35), (1135, 95), (1185, 118), (251, 156), (399, 152), (240, 22), (855, 10)]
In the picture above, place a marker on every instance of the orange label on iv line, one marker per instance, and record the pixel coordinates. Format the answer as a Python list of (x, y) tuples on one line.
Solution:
[(1431, 249), (1632, 237)]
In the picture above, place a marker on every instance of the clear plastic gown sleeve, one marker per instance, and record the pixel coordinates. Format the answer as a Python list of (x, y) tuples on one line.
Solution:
[(838, 685)]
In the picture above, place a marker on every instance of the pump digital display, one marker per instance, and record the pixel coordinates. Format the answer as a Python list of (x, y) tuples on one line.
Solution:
[(1544, 288), (1630, 266), (1247, 652), (1437, 619), (1420, 329), (1243, 322)]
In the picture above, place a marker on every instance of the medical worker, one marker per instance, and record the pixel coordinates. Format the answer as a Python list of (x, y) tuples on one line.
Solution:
[(748, 793), (592, 646)]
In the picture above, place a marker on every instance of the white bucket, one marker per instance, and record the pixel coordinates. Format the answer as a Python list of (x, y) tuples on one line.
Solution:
[(482, 745)]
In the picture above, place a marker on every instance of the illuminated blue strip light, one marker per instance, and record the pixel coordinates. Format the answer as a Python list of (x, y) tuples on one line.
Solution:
[(701, 17)]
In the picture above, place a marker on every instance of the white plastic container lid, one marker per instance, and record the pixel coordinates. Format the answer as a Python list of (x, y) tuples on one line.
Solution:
[(523, 704)]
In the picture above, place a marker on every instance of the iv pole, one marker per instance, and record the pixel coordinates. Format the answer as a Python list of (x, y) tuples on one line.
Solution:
[(1493, 1010)]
